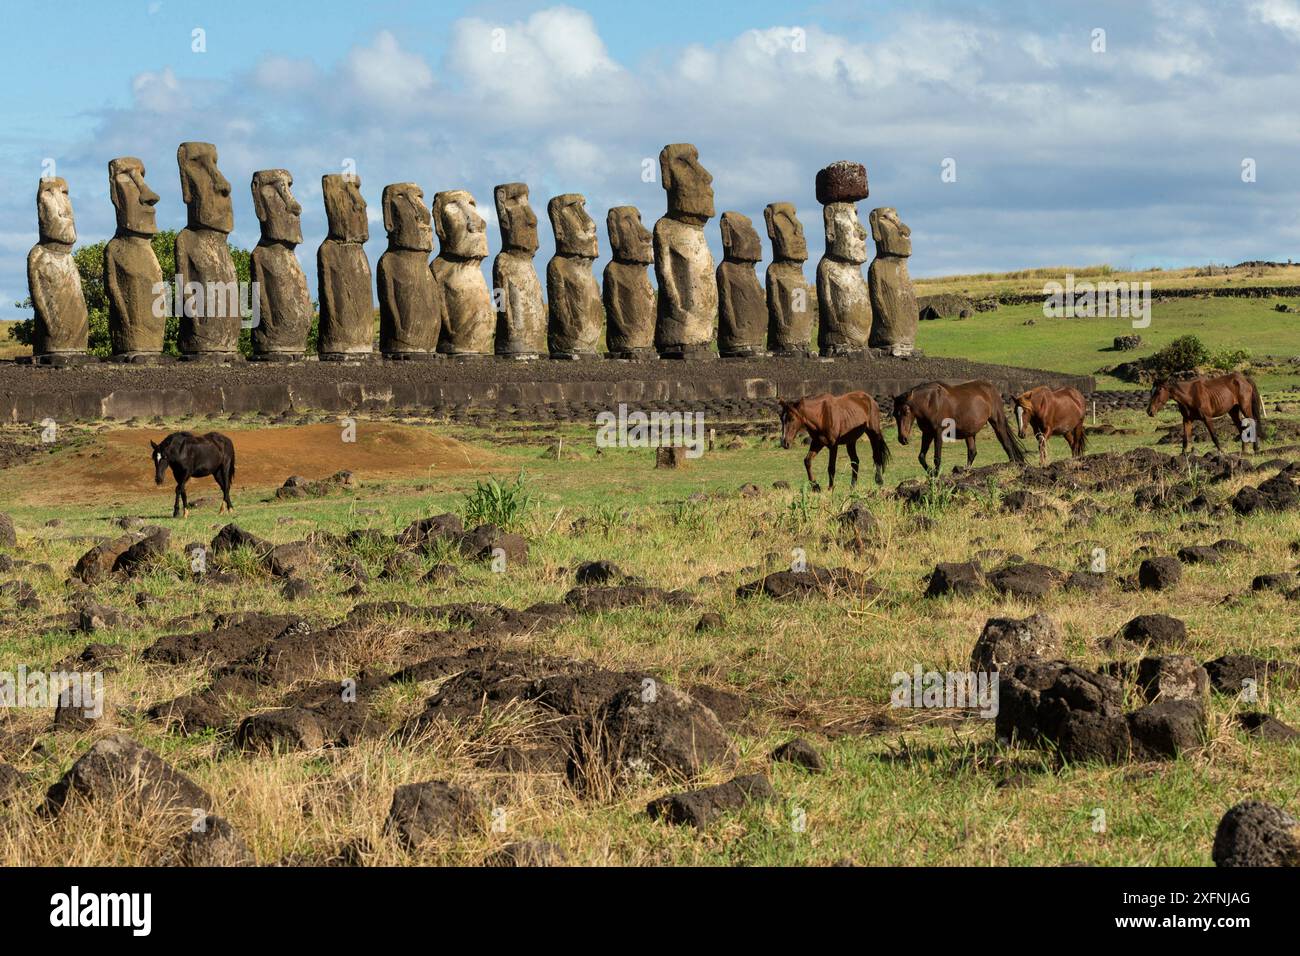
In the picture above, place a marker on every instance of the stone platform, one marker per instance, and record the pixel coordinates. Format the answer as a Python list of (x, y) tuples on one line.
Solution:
[(109, 391)]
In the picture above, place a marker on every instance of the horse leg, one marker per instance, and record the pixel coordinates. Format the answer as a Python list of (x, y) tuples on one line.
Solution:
[(181, 507), (925, 448), (830, 467), (1187, 434), (853, 457), (813, 449), (1042, 437), (970, 450), (1209, 427), (1237, 421), (938, 454)]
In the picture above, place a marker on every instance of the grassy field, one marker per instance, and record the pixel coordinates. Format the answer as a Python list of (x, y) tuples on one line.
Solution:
[(1030, 281), (1082, 346), (903, 787)]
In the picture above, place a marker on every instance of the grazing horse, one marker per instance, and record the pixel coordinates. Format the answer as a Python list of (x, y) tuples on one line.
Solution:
[(195, 456), (1052, 411), (1203, 399), (948, 412), (831, 421)]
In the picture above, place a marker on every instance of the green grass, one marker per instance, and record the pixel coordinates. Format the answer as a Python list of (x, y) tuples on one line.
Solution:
[(924, 792), (1082, 346)]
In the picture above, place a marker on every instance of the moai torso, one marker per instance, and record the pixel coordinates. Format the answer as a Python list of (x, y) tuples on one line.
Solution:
[(347, 319), (626, 292), (742, 311), (576, 314), (789, 300), (283, 320), (516, 289), (137, 297), (410, 306), (687, 314), (62, 323), (210, 320), (469, 319), (893, 301), (843, 301)]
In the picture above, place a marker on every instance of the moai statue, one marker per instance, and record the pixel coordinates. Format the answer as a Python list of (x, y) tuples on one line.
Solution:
[(576, 313), (893, 301), (284, 304), (516, 290), (410, 303), (137, 298), (742, 313), (210, 319), (688, 291), (62, 330), (468, 321), (789, 300), (347, 317), (626, 292), (843, 301)]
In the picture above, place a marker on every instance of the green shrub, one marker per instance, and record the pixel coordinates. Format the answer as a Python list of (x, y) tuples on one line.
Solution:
[(494, 502), (1183, 354)]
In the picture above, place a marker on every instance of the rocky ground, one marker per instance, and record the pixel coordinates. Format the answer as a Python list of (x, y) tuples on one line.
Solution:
[(646, 666)]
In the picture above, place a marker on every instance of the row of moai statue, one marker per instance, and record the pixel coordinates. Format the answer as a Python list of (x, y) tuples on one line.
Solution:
[(444, 307)]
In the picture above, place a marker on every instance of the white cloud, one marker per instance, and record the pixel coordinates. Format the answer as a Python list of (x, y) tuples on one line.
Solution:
[(1283, 14), (386, 75)]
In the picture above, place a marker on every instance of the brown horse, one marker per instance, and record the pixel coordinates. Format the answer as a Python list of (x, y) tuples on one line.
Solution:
[(1052, 411), (948, 412), (1203, 399), (831, 421)]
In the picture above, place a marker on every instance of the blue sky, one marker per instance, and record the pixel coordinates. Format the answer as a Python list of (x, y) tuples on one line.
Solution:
[(1065, 155)]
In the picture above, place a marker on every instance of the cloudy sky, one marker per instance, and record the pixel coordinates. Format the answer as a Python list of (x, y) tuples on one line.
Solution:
[(1069, 145)]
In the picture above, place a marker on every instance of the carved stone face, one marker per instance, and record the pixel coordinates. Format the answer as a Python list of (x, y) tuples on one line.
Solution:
[(846, 239), (206, 192), (278, 212), (689, 185), (344, 207), (629, 239), (575, 233), (517, 219), (54, 212), (406, 218), (461, 230), (892, 236), (786, 232), (740, 243), (132, 197)]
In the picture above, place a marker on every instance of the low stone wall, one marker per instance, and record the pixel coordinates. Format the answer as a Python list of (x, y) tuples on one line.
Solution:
[(33, 394)]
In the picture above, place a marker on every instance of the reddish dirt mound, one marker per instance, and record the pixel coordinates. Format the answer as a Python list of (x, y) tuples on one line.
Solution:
[(117, 466)]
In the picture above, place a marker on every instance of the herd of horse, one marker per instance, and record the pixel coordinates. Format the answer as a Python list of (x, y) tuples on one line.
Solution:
[(948, 413), (940, 412)]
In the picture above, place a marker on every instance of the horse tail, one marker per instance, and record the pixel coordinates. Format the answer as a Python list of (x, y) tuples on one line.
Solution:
[(1256, 409), (1006, 436), (1083, 439), (879, 447)]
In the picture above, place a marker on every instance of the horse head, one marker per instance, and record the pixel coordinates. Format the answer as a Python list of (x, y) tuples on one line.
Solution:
[(1024, 404), (1159, 395), (791, 422), (904, 416), (159, 460)]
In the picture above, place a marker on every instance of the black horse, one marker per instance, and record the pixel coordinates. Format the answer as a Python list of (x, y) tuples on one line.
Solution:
[(195, 456)]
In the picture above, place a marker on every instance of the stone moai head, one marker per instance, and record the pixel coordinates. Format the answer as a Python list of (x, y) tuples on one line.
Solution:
[(846, 239), (278, 212), (462, 233), (406, 218), (629, 240), (786, 232), (54, 212), (344, 207), (892, 236), (516, 217), (689, 185), (740, 242), (205, 191), (132, 197), (575, 232)]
